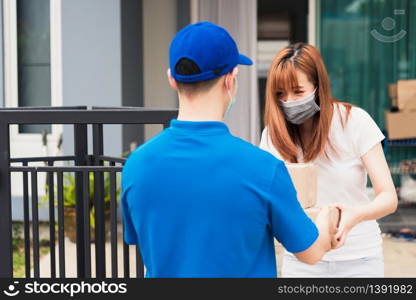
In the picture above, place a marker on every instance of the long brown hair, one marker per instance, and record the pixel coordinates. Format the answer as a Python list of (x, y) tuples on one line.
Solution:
[(284, 135)]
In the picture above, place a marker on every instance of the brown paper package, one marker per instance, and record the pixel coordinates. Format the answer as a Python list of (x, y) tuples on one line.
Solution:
[(312, 213), (304, 177), (305, 180)]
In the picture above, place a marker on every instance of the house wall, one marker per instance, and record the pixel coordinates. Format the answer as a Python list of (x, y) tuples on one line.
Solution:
[(159, 26), (91, 62), (91, 72)]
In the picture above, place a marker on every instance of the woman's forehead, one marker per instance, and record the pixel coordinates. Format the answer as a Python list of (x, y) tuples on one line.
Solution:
[(287, 77)]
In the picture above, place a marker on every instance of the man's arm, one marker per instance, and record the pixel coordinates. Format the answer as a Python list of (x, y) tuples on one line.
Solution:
[(289, 223), (326, 220), (130, 235)]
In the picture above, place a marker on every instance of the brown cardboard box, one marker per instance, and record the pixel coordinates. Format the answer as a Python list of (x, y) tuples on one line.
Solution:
[(312, 212), (304, 177), (394, 102), (393, 90), (393, 94), (406, 95), (401, 125)]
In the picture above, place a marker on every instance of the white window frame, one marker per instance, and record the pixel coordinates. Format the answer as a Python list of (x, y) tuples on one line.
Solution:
[(11, 66), (312, 26)]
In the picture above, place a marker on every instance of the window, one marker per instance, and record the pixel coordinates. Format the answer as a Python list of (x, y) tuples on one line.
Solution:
[(34, 63)]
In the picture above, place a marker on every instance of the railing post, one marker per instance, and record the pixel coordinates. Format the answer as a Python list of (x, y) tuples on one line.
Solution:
[(26, 221), (98, 149), (139, 263), (61, 224), (6, 261), (51, 185), (87, 228), (81, 152), (35, 224)]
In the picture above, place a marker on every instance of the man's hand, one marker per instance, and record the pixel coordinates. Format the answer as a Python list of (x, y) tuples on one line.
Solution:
[(350, 216), (329, 217), (326, 220)]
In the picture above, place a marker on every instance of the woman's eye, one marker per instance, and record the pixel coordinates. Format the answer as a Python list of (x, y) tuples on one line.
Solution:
[(279, 94), (298, 92)]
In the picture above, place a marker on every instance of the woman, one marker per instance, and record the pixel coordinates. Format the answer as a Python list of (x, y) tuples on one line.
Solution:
[(304, 123)]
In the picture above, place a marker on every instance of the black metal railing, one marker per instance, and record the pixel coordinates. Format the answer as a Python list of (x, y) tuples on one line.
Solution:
[(83, 164)]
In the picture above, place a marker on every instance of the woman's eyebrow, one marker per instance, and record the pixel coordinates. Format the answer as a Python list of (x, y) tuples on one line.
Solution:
[(294, 87)]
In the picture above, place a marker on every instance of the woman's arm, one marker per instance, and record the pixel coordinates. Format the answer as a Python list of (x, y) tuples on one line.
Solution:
[(385, 202)]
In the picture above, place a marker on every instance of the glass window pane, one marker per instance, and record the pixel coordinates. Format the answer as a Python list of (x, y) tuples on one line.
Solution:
[(34, 74)]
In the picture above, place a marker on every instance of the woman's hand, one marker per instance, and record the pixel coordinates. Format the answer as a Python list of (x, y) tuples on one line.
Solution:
[(385, 202), (350, 216)]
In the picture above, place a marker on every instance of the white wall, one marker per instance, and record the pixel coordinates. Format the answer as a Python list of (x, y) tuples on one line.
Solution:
[(91, 62)]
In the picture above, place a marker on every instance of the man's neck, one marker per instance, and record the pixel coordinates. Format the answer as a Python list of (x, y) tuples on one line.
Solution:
[(204, 108)]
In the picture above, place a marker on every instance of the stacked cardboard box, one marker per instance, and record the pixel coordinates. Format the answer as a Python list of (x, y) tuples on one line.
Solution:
[(401, 119), (304, 177), (393, 94)]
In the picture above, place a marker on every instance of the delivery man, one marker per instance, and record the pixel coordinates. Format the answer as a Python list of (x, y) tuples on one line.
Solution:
[(201, 202)]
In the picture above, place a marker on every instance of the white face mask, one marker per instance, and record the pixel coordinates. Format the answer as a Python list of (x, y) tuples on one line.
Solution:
[(297, 112), (233, 100)]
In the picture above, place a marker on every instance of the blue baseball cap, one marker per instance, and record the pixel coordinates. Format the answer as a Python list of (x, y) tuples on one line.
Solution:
[(210, 47)]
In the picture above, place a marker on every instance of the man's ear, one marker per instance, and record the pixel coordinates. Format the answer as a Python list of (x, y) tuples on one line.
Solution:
[(172, 81), (229, 78)]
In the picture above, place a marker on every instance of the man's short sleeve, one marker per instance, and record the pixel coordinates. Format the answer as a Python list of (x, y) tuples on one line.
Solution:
[(130, 235), (289, 223)]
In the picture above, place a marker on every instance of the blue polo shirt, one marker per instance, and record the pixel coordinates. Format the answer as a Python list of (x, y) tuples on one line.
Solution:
[(201, 202)]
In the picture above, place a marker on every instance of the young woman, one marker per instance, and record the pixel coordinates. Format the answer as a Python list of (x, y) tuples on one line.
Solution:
[(304, 123)]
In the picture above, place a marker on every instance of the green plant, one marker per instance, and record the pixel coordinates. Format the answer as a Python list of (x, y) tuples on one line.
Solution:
[(69, 193), (17, 234), (19, 249)]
